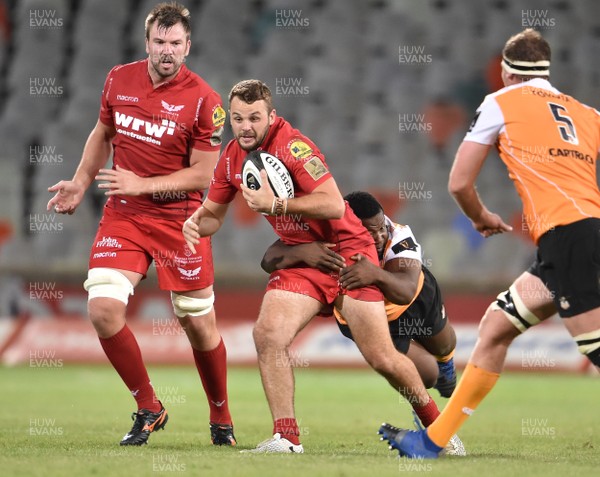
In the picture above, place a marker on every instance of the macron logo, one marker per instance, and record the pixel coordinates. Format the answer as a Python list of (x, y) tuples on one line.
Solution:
[(122, 97), (139, 125)]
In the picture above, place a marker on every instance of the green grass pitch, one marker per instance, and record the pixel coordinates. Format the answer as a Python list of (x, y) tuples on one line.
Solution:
[(68, 420)]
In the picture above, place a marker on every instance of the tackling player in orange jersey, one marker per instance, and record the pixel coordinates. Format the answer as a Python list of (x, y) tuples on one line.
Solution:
[(549, 142)]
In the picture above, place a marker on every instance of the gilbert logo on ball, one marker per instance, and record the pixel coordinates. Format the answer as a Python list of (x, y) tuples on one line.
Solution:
[(280, 179)]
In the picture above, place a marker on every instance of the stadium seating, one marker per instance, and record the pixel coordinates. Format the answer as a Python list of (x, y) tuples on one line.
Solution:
[(352, 89)]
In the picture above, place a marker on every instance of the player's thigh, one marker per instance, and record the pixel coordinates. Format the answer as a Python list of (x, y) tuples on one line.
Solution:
[(526, 303), (118, 261), (535, 295), (585, 330), (177, 267), (441, 343), (569, 264), (369, 326), (120, 244), (109, 290), (283, 314), (431, 329), (400, 335), (400, 339), (583, 323)]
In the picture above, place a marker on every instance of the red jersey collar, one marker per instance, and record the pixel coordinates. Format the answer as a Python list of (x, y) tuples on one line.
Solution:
[(181, 76)]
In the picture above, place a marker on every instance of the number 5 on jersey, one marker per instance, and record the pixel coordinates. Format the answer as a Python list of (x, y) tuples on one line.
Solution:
[(566, 128)]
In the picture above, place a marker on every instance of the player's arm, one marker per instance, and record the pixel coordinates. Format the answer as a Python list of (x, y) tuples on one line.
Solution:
[(96, 152), (461, 185), (398, 281), (195, 177), (324, 202), (314, 254), (205, 221)]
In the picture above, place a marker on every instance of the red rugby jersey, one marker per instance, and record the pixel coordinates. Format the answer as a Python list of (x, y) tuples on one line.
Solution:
[(308, 169), (157, 129)]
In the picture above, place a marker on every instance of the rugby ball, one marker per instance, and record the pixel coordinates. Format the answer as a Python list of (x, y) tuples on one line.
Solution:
[(280, 179)]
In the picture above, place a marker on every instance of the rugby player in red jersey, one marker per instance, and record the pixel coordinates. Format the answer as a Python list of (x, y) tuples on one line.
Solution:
[(417, 320), (294, 296), (164, 124)]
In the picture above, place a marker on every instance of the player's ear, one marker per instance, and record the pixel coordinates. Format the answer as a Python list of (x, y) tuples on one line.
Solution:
[(272, 116), (187, 47)]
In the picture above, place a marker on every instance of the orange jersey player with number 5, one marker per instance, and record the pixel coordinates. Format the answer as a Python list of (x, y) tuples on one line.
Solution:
[(164, 124), (317, 212), (549, 142)]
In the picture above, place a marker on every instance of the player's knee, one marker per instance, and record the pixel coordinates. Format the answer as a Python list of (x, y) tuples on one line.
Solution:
[(200, 328), (445, 349), (381, 363), (185, 306), (493, 332), (108, 283), (108, 293), (259, 336), (588, 344), (267, 337), (491, 315), (106, 315), (101, 309)]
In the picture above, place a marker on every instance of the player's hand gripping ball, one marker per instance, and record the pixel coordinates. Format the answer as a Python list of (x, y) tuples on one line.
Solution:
[(279, 177)]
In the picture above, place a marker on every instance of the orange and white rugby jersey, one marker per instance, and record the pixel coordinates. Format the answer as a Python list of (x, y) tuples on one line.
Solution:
[(401, 244), (549, 142)]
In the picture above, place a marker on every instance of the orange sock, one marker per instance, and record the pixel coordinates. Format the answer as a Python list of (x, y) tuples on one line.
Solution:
[(473, 386)]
